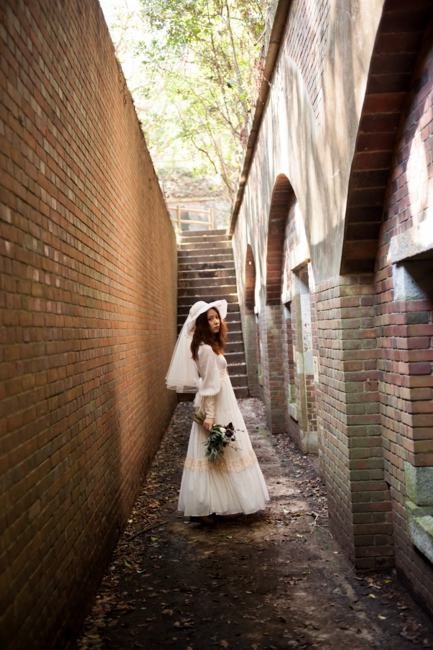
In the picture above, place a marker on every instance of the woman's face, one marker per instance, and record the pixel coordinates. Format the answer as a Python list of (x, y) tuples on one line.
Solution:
[(213, 321)]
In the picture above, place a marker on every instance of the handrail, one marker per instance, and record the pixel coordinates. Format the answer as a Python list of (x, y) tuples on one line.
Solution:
[(178, 218)]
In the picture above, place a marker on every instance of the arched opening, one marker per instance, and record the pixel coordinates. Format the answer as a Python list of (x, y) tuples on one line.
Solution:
[(381, 300), (271, 314), (395, 53), (299, 334), (281, 200)]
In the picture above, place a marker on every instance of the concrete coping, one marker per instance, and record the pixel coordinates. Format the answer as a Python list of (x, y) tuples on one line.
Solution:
[(414, 241), (419, 484), (419, 510), (286, 297), (420, 524)]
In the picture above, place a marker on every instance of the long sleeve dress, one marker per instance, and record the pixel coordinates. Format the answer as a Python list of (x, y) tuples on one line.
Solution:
[(235, 483)]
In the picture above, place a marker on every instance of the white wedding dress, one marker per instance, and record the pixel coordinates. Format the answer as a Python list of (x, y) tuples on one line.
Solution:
[(235, 483)]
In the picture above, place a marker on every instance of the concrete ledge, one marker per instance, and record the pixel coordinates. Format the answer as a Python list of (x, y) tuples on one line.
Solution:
[(420, 523), (419, 484), (293, 411), (286, 297), (417, 240)]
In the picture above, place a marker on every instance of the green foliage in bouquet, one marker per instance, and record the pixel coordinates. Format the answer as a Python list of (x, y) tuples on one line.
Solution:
[(219, 437)]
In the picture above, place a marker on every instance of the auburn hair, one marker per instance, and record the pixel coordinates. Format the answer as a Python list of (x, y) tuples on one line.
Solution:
[(203, 334)]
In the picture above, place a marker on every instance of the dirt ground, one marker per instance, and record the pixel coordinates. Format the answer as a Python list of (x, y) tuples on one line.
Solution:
[(272, 580)]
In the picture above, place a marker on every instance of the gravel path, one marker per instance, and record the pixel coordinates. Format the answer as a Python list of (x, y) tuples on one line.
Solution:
[(272, 580)]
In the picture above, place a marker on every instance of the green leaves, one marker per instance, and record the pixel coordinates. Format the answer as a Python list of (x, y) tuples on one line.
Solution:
[(190, 65)]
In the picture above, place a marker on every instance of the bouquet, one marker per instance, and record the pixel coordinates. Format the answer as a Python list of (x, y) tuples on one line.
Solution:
[(219, 437)]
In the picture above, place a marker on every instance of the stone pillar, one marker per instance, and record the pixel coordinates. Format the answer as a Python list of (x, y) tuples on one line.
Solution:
[(304, 365), (250, 340), (404, 321), (272, 367)]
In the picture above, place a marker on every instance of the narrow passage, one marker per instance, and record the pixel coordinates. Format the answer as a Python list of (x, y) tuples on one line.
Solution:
[(267, 581)]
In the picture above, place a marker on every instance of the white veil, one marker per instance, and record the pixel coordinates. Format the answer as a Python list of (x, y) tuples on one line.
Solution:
[(183, 376)]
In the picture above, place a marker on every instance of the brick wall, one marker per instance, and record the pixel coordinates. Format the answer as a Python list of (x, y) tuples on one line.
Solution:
[(305, 42), (289, 371), (272, 367), (299, 380), (405, 322), (88, 314), (289, 329), (350, 441)]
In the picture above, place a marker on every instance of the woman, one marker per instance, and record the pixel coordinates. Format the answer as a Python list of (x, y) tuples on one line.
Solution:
[(234, 484)]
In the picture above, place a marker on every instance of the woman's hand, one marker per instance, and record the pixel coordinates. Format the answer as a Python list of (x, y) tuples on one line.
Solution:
[(208, 423)]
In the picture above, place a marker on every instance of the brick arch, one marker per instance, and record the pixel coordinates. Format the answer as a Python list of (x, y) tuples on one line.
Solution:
[(395, 52), (282, 196), (250, 280)]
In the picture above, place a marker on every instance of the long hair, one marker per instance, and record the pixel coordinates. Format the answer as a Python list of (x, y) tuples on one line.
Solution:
[(203, 334)]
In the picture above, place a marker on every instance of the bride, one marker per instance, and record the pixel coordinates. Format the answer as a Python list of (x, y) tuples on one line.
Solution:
[(234, 484)]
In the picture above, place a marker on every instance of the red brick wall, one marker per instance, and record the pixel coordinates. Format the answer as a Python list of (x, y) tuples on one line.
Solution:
[(88, 313), (405, 327), (305, 42), (304, 388), (310, 379), (289, 329), (289, 370), (272, 367), (350, 441)]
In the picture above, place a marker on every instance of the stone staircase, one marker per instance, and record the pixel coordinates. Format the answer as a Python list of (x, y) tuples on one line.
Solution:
[(206, 271)]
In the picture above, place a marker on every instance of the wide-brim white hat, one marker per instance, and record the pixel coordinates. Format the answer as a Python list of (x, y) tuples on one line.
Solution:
[(201, 307)]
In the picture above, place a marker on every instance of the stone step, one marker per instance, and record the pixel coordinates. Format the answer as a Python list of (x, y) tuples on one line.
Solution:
[(184, 283), (235, 346), (236, 369), (208, 274), (203, 263), (206, 271), (205, 255), (232, 310), (200, 266), (209, 291), (201, 248), (216, 244), (238, 380), (234, 357), (218, 232), (189, 300)]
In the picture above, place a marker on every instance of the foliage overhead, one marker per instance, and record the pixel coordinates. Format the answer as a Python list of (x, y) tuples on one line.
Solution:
[(196, 71)]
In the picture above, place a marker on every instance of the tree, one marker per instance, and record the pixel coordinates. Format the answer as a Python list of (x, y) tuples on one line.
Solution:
[(195, 68)]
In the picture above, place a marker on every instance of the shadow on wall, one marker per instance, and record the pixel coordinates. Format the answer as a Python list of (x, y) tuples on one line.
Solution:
[(88, 261)]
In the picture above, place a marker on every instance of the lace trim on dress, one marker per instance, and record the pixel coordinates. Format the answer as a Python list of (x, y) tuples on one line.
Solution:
[(208, 405), (223, 465)]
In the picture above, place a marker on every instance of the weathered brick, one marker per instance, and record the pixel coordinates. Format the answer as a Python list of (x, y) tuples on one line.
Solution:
[(87, 309)]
